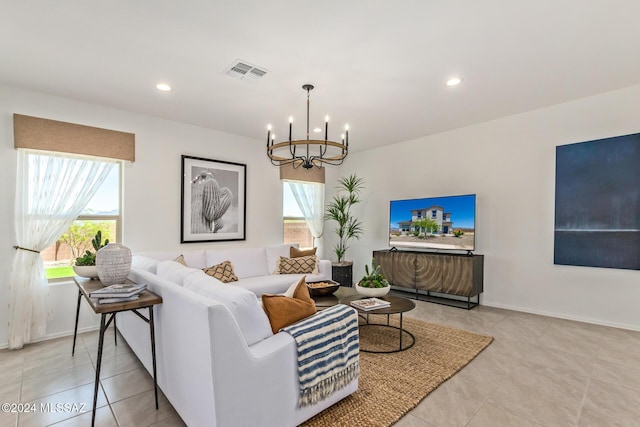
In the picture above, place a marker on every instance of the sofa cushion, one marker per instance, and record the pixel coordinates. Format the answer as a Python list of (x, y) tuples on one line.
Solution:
[(242, 304), (273, 252), (174, 271), (144, 263), (193, 259), (274, 283), (222, 272), (248, 262), (300, 265), (284, 311), (297, 253)]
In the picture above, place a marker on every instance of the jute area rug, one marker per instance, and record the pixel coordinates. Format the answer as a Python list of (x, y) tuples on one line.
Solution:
[(391, 385)]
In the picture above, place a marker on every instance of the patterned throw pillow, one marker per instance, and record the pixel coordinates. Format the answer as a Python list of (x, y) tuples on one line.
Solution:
[(180, 260), (222, 272), (297, 253), (300, 265)]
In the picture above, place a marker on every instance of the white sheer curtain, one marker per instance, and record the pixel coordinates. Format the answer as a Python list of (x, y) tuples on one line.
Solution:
[(310, 199), (52, 189)]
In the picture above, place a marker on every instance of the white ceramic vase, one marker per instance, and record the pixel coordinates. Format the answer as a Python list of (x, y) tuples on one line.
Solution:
[(372, 292), (113, 263)]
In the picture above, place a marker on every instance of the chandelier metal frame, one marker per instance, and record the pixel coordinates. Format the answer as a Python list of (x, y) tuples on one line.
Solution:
[(315, 152)]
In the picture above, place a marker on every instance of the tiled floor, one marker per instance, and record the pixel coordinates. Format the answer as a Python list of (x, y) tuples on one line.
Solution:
[(539, 371)]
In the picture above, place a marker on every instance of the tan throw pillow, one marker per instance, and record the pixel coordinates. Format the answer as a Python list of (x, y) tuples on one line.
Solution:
[(283, 311), (180, 260), (222, 272), (297, 253), (300, 265)]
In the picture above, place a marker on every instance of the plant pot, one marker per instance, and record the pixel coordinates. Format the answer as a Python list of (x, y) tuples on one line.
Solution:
[(113, 263), (88, 271), (342, 272), (372, 292)]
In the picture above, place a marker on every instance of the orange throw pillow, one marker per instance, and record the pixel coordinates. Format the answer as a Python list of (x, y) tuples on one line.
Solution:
[(283, 311), (296, 253)]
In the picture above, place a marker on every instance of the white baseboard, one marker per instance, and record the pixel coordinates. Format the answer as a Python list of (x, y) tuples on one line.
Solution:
[(562, 316), (5, 345)]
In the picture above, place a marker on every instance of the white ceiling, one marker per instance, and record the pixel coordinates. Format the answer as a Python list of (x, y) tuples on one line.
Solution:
[(378, 65)]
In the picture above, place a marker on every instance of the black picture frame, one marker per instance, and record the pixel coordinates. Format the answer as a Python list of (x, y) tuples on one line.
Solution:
[(213, 200)]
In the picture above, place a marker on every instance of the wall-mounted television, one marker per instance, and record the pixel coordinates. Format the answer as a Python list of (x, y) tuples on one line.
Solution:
[(435, 223)]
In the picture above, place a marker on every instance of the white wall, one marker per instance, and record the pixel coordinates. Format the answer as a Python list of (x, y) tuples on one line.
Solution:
[(151, 218), (510, 165)]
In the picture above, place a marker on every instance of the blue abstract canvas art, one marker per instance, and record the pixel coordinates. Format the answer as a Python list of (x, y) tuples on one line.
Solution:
[(597, 210)]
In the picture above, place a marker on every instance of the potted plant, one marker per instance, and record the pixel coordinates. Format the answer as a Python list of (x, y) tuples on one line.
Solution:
[(373, 283), (85, 266), (348, 226)]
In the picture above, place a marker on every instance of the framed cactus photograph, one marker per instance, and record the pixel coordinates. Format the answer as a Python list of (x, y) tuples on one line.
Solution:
[(213, 200)]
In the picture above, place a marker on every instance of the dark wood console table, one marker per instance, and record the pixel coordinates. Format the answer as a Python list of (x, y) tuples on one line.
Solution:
[(108, 314), (424, 273)]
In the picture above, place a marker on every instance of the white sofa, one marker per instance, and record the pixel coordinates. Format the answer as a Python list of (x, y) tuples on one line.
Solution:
[(218, 362), (253, 266)]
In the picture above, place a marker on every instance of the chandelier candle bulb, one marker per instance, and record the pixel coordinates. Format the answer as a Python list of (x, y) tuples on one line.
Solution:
[(326, 128), (290, 126)]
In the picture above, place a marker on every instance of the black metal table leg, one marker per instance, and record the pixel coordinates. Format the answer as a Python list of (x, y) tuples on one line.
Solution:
[(400, 331), (115, 330), (153, 352), (103, 326), (75, 330)]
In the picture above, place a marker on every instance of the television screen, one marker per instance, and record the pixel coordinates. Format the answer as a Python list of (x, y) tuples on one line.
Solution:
[(433, 223)]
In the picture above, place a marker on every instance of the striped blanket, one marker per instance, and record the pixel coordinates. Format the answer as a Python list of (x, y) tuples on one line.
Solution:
[(328, 352)]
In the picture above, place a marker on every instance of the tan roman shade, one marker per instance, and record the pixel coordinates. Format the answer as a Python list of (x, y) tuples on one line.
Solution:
[(50, 135), (301, 174)]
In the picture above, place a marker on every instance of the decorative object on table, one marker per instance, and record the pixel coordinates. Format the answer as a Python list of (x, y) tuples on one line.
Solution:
[(213, 200), (113, 263), (368, 304), (373, 283), (325, 287), (307, 152), (85, 266), (348, 226)]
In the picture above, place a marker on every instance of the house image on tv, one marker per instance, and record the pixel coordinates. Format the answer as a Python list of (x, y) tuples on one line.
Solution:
[(434, 213)]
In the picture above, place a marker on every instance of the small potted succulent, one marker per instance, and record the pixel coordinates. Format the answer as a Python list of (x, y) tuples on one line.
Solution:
[(373, 283), (85, 266)]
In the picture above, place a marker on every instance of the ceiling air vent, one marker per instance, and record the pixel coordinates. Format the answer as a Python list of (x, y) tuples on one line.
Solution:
[(242, 70)]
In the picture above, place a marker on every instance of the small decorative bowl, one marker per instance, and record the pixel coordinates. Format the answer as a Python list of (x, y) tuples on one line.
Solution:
[(372, 292), (89, 271), (324, 287)]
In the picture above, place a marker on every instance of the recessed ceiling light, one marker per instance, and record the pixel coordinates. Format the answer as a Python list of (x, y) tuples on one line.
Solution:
[(163, 87), (317, 130), (454, 81)]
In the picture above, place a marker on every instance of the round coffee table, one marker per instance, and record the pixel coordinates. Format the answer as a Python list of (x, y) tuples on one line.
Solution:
[(326, 301), (399, 305)]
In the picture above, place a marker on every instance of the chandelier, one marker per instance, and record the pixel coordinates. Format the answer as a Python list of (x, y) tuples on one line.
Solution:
[(308, 152)]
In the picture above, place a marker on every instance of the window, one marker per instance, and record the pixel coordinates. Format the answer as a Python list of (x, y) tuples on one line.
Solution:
[(434, 213), (296, 229), (104, 213), (419, 214)]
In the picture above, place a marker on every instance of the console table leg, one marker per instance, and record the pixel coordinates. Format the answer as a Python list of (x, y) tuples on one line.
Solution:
[(153, 352), (115, 330), (75, 330), (400, 331), (103, 326)]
